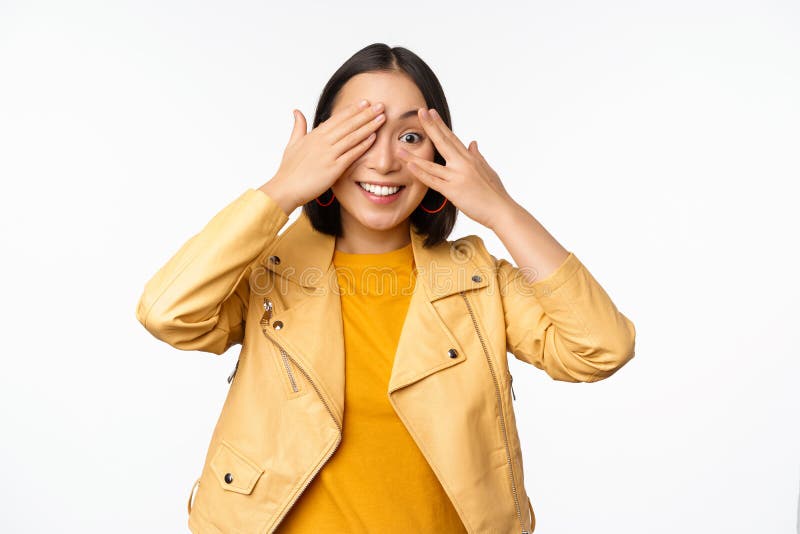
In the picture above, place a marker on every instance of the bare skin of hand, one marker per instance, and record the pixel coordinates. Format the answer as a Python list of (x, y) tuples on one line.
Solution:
[(474, 188), (313, 161)]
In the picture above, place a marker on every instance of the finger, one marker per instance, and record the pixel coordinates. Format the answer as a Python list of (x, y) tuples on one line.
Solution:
[(473, 149), (347, 159), (300, 127), (447, 143), (432, 181), (343, 115), (429, 167), (353, 138), (354, 122)]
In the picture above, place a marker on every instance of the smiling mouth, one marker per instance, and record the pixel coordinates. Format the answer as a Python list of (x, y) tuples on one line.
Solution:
[(379, 190)]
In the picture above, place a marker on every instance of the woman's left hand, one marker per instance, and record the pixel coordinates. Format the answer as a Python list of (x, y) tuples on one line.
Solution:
[(466, 180)]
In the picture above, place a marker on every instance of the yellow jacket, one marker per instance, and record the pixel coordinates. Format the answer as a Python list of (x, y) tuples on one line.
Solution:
[(238, 281)]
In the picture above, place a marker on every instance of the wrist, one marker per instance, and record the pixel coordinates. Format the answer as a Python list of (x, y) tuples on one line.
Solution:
[(274, 190), (507, 216)]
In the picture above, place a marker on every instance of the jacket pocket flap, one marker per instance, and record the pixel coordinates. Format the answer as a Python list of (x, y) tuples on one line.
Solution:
[(233, 470)]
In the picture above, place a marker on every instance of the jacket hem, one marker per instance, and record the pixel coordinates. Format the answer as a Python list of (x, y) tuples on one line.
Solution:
[(200, 525)]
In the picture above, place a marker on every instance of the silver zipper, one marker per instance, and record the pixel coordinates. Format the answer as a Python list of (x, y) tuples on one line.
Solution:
[(289, 369), (264, 320), (511, 381), (233, 373), (500, 408), (284, 356)]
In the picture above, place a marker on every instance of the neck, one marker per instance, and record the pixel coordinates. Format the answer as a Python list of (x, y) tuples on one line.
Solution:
[(359, 239)]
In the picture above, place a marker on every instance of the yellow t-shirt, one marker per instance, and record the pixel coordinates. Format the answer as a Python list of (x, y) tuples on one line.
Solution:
[(377, 479)]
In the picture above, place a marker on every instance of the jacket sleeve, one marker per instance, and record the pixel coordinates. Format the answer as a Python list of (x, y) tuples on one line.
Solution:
[(198, 300), (564, 324)]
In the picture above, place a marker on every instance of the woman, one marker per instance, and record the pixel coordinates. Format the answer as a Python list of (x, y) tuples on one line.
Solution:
[(357, 406)]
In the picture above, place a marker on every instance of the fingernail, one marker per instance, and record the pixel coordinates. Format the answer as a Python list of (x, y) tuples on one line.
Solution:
[(363, 104), (433, 113), (425, 114)]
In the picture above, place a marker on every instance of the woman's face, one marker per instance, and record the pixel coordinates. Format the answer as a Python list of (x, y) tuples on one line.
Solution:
[(380, 164)]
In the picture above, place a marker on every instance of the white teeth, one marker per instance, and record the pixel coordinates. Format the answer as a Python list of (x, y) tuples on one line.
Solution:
[(380, 190)]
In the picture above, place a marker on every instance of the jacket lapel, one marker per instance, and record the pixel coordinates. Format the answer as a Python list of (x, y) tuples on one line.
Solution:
[(428, 339), (313, 332)]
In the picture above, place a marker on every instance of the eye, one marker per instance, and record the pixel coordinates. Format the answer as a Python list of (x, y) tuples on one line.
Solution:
[(421, 138)]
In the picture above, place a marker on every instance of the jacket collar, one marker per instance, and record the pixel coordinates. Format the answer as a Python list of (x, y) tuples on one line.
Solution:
[(304, 256)]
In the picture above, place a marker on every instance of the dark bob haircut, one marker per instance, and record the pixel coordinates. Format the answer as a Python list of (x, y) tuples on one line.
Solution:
[(379, 57)]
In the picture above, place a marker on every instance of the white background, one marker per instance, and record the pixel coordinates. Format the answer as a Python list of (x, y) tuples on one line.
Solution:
[(658, 141)]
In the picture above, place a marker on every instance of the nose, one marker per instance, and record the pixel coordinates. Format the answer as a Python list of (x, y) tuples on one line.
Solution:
[(380, 156)]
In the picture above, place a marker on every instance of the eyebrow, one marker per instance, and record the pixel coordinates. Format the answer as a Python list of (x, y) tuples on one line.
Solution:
[(407, 114)]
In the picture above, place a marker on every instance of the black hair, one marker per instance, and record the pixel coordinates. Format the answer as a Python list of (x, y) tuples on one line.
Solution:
[(379, 57)]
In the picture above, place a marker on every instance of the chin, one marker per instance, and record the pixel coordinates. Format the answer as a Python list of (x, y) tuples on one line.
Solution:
[(380, 221)]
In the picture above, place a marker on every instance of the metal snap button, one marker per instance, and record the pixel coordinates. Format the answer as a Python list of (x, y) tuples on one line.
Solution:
[(476, 278), (277, 325), (453, 353), (275, 259), (228, 478)]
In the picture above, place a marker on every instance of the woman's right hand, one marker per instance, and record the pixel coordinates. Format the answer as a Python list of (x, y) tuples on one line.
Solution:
[(312, 162)]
